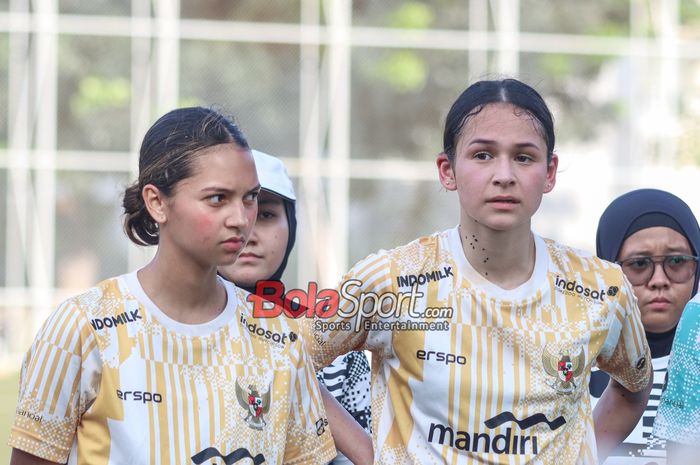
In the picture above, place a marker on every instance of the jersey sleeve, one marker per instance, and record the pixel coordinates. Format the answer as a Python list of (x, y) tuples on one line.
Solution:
[(309, 439), (59, 380), (678, 418), (625, 355), (364, 295)]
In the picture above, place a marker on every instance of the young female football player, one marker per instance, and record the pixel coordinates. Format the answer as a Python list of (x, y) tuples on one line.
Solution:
[(167, 365), (484, 335)]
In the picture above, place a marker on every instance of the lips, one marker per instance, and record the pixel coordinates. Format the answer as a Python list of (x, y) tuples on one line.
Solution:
[(659, 303), (503, 203), (250, 256), (503, 199), (234, 244)]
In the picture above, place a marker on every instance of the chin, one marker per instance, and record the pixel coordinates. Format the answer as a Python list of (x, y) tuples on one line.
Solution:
[(242, 279), (658, 325), (501, 223), (501, 226), (227, 262)]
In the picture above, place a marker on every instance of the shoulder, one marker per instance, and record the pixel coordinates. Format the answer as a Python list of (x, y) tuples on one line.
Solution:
[(76, 320), (420, 252), (384, 269), (110, 289), (96, 300), (420, 245), (572, 259), (579, 271), (569, 256), (102, 290)]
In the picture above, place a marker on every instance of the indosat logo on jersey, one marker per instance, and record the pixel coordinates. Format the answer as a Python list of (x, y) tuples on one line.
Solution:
[(267, 334), (574, 288)]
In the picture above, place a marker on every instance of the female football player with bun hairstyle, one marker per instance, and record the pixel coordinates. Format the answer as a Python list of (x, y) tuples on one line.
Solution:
[(167, 364)]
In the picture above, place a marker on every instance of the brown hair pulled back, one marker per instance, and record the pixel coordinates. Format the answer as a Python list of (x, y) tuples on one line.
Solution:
[(166, 157)]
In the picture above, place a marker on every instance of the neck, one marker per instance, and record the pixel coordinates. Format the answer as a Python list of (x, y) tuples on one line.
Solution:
[(661, 335), (505, 258), (184, 292), (660, 343)]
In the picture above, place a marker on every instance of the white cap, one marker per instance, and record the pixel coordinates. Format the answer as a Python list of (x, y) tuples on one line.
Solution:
[(273, 176)]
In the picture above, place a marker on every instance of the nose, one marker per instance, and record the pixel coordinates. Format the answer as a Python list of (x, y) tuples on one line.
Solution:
[(253, 237), (658, 279), (503, 172), (238, 216)]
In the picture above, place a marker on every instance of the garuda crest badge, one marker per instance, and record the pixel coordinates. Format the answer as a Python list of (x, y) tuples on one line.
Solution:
[(564, 368), (255, 404)]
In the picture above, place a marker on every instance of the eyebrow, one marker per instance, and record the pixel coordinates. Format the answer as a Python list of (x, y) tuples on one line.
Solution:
[(520, 145), (270, 200), (227, 191), (645, 252)]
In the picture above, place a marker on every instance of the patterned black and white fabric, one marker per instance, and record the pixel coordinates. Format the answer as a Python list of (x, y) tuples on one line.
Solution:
[(348, 380)]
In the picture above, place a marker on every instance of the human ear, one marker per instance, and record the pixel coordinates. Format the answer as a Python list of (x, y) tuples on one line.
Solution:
[(154, 200), (551, 179), (445, 172)]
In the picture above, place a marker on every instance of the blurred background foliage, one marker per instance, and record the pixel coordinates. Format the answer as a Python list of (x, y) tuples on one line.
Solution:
[(94, 75), (398, 94)]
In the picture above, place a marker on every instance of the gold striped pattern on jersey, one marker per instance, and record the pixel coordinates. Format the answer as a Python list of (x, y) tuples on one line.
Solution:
[(113, 374), (507, 382)]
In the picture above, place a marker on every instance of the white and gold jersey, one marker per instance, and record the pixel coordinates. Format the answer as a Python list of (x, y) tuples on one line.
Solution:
[(110, 379), (466, 372)]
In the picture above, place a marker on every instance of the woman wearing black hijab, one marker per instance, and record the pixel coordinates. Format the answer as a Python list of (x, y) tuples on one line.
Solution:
[(263, 260), (654, 236)]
